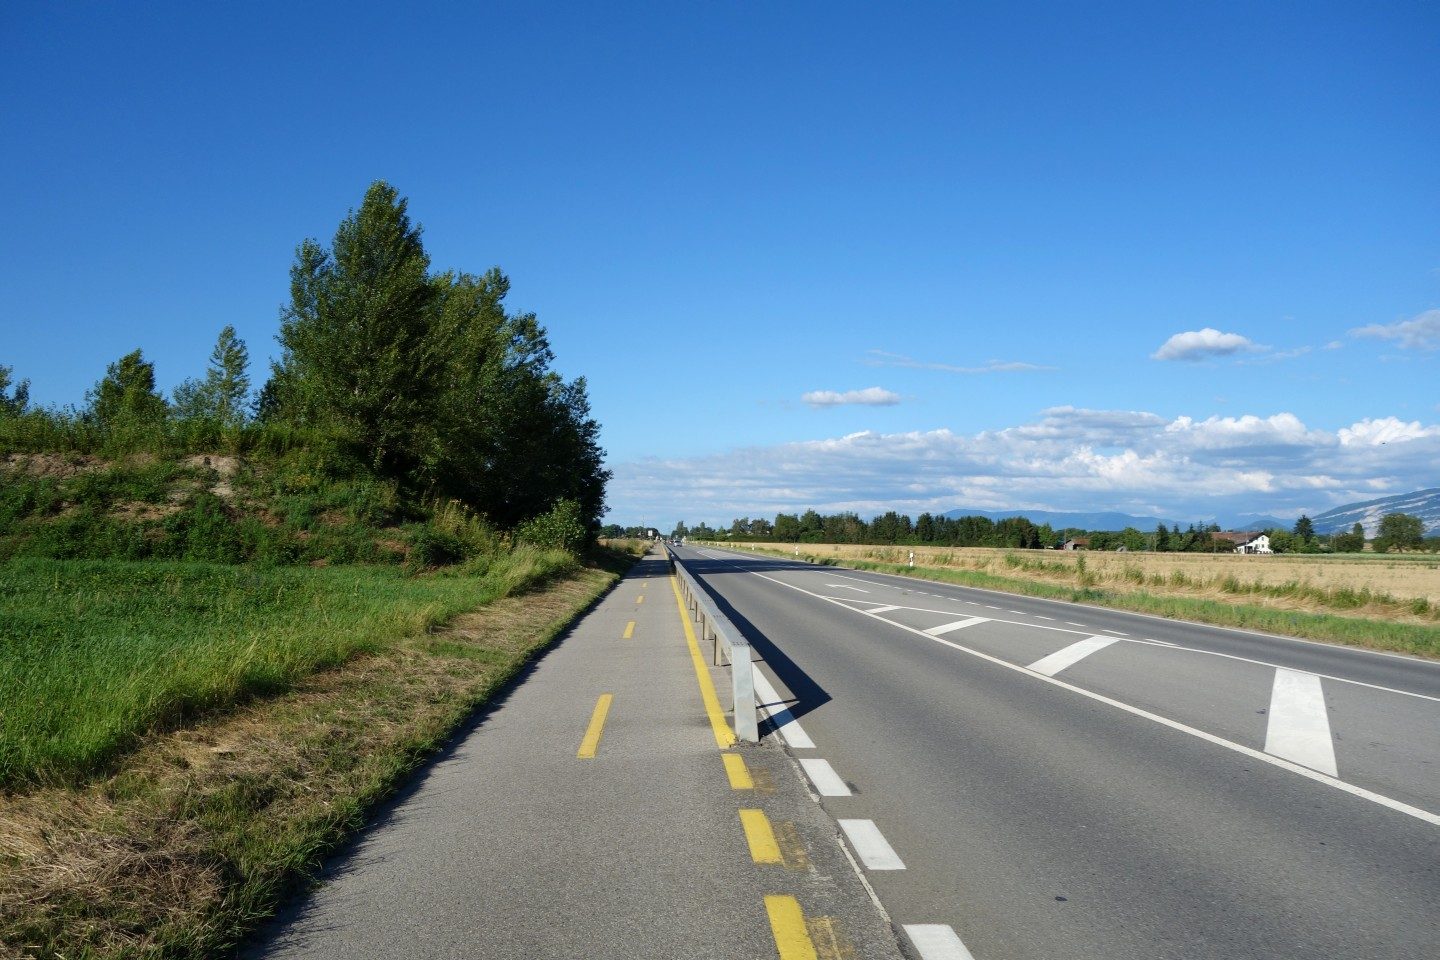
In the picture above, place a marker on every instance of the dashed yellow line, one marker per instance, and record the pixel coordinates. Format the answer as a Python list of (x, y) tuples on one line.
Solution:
[(787, 924), (738, 773), (763, 848), (591, 743), (724, 736), (640, 599), (629, 631)]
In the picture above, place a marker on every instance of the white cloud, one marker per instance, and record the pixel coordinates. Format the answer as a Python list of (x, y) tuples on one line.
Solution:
[(869, 397), (1066, 459), (1385, 430), (884, 358), (1421, 332), (1200, 344)]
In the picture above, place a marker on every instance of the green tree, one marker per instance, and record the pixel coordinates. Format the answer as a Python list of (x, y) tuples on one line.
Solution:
[(221, 397), (811, 526), (126, 395), (1399, 531), (13, 402), (358, 349), (1162, 537), (1304, 529), (1352, 542), (787, 527)]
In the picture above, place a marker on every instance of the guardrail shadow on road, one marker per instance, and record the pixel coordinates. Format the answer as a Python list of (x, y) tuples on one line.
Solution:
[(807, 694)]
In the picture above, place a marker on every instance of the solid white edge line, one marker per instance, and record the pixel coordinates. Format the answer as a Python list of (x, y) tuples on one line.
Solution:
[(1350, 788), (1298, 726), (827, 782), (956, 625), (790, 730), (870, 845), (937, 941), (1071, 655), (1092, 607), (1176, 646)]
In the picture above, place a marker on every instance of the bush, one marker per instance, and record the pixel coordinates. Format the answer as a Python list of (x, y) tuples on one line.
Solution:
[(559, 527), (435, 548)]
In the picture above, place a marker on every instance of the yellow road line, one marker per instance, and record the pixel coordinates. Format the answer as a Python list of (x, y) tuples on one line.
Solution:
[(787, 923), (629, 631), (640, 599), (738, 773), (763, 848), (724, 736), (591, 743)]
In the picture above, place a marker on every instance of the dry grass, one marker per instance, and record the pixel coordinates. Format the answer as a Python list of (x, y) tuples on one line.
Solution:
[(203, 830), (1385, 586)]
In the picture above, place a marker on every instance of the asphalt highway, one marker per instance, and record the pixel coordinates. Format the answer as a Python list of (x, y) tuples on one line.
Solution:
[(1054, 781)]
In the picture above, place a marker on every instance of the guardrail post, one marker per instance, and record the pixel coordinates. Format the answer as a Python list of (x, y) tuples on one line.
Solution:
[(742, 674)]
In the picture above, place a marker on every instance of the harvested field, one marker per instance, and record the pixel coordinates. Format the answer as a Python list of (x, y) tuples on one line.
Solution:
[(1401, 578)]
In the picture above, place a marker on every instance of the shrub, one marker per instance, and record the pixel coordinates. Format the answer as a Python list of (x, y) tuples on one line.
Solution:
[(435, 548), (559, 527)]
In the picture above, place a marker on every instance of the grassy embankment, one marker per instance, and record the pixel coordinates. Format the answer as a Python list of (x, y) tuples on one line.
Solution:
[(1319, 598), (181, 743)]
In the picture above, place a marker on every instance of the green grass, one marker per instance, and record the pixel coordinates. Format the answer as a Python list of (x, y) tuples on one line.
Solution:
[(1376, 634), (94, 653)]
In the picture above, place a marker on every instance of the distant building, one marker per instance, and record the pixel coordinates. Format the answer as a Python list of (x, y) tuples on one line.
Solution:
[(1076, 543), (1245, 542)]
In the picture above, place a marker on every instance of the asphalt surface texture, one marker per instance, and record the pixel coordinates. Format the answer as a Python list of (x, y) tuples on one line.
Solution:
[(562, 824), (1066, 781)]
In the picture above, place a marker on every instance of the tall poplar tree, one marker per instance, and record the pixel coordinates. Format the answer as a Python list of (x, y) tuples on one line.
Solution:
[(357, 336), (221, 396)]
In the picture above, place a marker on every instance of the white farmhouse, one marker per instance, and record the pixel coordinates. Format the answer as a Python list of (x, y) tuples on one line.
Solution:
[(1247, 542)]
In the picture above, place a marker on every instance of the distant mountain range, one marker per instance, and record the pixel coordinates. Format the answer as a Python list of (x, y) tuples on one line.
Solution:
[(1424, 504), (1060, 519)]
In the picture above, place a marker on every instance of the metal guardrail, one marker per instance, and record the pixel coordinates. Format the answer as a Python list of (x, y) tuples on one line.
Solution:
[(723, 636)]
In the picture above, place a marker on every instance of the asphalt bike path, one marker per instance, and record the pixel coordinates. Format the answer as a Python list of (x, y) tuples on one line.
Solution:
[(600, 809), (1067, 781)]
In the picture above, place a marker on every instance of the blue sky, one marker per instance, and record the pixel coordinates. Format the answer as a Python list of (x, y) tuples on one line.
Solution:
[(992, 218)]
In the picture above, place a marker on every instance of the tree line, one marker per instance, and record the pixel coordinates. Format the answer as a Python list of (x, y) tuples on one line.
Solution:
[(1397, 532), (421, 378)]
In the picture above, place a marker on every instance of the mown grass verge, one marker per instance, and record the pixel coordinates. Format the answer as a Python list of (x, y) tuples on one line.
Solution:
[(195, 835), (93, 653), (1375, 634)]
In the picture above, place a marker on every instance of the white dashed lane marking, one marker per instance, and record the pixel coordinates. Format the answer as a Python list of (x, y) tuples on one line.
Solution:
[(827, 782), (957, 625), (936, 941), (1299, 727), (785, 723), (870, 845), (1071, 655)]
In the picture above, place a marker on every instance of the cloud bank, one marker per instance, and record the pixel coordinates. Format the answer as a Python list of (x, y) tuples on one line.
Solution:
[(869, 397), (1201, 345), (1421, 332), (1066, 459)]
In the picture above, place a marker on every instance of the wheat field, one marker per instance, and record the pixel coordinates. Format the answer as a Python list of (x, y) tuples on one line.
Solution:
[(1391, 585)]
